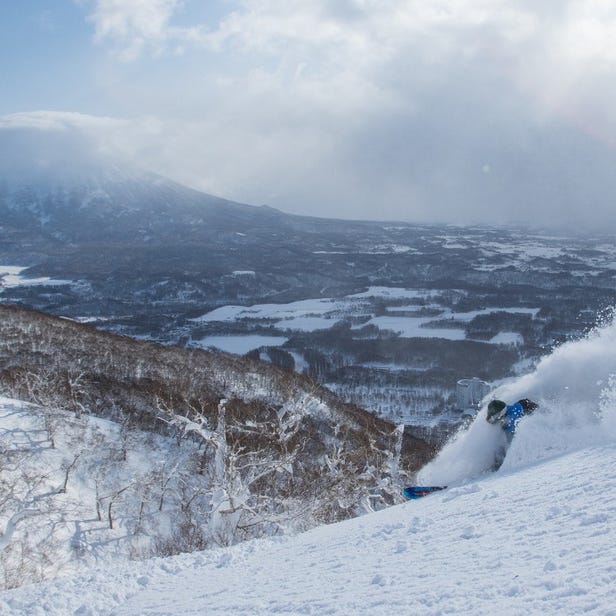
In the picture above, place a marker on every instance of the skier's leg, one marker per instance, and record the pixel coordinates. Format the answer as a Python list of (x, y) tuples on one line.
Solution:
[(501, 452)]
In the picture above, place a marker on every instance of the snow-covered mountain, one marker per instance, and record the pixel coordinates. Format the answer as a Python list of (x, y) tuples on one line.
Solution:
[(537, 537), (55, 185)]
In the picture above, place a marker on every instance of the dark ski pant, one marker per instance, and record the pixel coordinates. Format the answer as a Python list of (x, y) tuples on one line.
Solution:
[(501, 452)]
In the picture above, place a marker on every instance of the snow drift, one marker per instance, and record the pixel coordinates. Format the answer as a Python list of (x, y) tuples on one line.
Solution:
[(575, 387)]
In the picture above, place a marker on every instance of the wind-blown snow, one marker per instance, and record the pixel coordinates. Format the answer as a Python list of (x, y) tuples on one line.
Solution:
[(537, 537)]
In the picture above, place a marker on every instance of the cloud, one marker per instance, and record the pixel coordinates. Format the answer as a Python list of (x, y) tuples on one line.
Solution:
[(122, 18), (546, 49), (57, 121), (567, 68), (136, 26), (396, 108), (558, 55), (53, 146), (404, 46), (456, 110)]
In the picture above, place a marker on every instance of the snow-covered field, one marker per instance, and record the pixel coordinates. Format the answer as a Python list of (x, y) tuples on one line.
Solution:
[(540, 540), (311, 315), (11, 276), (537, 537), (415, 327), (240, 344)]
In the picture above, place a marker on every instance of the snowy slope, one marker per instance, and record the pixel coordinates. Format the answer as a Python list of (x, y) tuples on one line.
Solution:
[(537, 537), (59, 473), (538, 541)]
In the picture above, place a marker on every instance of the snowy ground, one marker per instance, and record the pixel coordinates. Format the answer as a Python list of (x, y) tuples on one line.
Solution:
[(311, 315), (240, 344), (537, 541), (10, 276), (537, 537)]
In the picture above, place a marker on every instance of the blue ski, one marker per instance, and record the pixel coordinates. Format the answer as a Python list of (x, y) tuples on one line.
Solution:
[(415, 492)]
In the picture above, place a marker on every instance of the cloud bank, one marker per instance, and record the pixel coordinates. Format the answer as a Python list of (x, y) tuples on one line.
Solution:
[(453, 110)]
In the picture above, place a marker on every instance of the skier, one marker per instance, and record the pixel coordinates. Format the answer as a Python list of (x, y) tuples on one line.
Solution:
[(499, 412), (508, 417)]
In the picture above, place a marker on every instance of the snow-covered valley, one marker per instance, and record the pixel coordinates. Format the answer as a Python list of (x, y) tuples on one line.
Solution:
[(337, 300)]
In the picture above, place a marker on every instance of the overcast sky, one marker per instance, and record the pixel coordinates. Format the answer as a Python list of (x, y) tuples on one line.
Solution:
[(461, 111)]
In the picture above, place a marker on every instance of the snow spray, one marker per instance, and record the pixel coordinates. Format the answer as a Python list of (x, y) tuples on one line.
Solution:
[(575, 387)]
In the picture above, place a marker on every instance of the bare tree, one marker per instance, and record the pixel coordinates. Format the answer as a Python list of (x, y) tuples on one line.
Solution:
[(235, 469), (112, 498), (11, 525), (68, 468)]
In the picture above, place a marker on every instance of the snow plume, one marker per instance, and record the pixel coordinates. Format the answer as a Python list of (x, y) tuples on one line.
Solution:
[(575, 387)]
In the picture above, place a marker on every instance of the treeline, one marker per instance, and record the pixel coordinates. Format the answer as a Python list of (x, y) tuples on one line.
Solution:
[(98, 372), (332, 354)]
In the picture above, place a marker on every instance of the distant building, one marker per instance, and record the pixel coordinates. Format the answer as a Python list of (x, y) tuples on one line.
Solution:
[(470, 393)]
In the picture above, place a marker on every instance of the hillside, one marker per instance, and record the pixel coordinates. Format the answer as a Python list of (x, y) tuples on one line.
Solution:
[(173, 449), (47, 359), (537, 540), (534, 538)]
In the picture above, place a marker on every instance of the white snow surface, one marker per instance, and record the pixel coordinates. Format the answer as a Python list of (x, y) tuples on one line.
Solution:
[(536, 541), (239, 344), (414, 327), (307, 307), (315, 314), (511, 338), (536, 537), (11, 276)]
